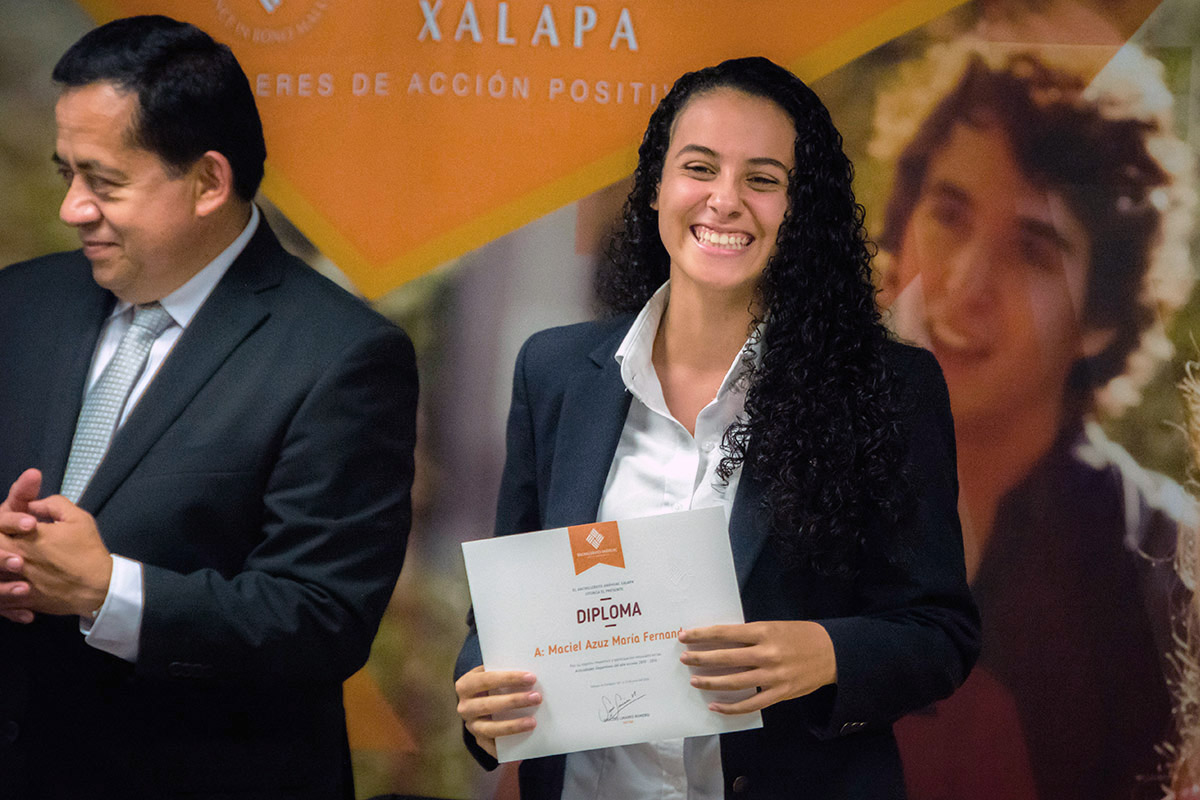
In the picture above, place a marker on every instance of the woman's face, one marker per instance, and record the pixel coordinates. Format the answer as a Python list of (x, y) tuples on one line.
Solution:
[(723, 192), (1003, 266)]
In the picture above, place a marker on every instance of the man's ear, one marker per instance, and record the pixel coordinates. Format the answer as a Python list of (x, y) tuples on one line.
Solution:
[(1095, 341), (212, 176)]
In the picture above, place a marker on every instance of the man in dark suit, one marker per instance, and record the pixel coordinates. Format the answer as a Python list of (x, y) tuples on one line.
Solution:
[(209, 449)]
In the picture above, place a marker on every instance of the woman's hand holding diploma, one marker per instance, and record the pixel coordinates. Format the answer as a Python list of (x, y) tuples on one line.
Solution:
[(782, 659), (477, 703)]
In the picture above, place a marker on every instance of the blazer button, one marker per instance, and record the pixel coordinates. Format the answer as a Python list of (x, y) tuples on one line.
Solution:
[(741, 784), (9, 731)]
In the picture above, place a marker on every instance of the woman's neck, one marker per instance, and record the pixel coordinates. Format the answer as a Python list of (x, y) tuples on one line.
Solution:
[(698, 338)]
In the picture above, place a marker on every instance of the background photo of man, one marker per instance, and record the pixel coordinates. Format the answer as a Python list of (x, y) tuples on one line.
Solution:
[(1036, 241)]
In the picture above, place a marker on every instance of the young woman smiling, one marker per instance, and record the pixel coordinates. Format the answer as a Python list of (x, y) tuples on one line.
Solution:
[(744, 367)]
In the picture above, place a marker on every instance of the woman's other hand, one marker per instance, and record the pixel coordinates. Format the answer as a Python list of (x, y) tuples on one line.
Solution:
[(477, 703)]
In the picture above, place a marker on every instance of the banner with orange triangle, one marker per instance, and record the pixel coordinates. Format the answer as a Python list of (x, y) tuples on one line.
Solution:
[(402, 134)]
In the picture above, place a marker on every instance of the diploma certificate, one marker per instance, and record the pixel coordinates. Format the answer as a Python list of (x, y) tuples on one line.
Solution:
[(594, 612)]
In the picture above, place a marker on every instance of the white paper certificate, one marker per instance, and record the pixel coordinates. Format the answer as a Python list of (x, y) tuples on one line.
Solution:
[(594, 611)]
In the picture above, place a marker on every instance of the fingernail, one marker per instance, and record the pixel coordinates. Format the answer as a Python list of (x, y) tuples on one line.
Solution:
[(28, 523), (694, 681), (13, 563), (20, 589), (535, 697)]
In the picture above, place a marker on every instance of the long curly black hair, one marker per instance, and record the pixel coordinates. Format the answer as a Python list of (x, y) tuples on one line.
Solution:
[(822, 429)]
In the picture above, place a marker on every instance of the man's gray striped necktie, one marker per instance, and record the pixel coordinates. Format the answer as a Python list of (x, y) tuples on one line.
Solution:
[(103, 404)]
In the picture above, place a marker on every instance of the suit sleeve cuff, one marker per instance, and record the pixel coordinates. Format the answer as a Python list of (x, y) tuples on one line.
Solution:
[(117, 626)]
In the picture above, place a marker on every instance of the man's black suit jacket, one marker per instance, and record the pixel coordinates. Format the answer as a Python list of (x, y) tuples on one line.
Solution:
[(904, 635), (263, 480)]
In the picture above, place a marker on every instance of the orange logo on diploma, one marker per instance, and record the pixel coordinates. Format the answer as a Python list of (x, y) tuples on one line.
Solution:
[(597, 543)]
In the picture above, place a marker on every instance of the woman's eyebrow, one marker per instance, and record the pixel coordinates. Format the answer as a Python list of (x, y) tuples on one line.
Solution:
[(708, 151)]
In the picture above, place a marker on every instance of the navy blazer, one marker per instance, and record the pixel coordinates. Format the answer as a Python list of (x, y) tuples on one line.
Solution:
[(904, 634), (263, 481)]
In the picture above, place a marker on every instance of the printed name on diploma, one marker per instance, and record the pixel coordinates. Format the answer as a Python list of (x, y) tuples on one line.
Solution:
[(616, 640)]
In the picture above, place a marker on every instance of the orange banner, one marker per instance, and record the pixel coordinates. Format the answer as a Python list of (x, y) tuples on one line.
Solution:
[(403, 133), (599, 543)]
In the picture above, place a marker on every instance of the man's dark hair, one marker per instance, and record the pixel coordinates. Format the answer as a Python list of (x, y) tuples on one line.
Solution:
[(192, 94)]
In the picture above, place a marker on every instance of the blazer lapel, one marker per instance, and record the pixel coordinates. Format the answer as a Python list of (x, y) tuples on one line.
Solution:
[(747, 527), (230, 314), (594, 407), (78, 329)]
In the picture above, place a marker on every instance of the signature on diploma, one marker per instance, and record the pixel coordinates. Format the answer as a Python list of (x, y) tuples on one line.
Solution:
[(610, 707)]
